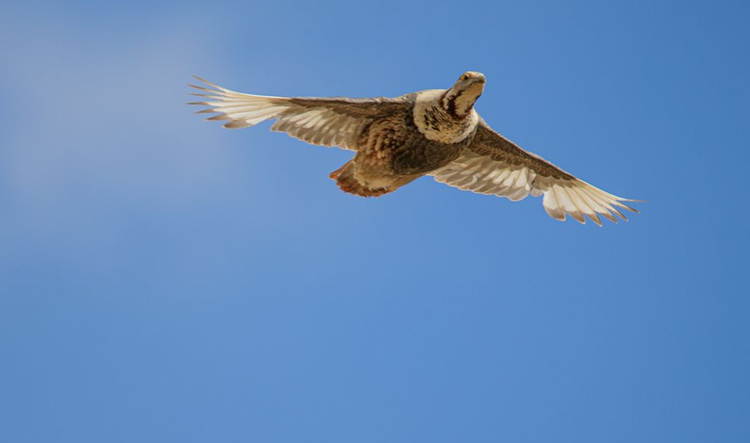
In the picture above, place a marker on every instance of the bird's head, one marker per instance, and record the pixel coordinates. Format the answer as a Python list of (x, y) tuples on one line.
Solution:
[(459, 100)]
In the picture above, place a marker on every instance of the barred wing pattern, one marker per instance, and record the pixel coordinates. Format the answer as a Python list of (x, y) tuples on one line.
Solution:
[(494, 165), (319, 121)]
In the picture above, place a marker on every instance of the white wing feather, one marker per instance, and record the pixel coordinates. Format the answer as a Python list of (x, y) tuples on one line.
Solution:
[(494, 165), (319, 121)]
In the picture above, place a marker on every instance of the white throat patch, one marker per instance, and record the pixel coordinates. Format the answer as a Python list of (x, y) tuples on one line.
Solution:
[(434, 122)]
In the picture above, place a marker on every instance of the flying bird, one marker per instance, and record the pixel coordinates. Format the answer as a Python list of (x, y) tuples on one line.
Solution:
[(435, 132)]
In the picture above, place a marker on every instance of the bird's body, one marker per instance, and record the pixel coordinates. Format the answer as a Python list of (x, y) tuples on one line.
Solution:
[(393, 150), (432, 132)]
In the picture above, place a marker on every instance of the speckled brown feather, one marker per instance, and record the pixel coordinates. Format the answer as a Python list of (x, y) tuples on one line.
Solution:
[(493, 145), (391, 152)]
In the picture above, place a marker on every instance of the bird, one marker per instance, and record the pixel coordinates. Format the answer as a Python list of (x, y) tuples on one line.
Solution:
[(434, 132)]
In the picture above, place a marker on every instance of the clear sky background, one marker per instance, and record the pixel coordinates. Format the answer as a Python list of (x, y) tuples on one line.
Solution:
[(166, 280)]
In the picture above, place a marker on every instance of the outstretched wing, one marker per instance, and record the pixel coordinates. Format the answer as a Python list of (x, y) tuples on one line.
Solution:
[(494, 165), (320, 121)]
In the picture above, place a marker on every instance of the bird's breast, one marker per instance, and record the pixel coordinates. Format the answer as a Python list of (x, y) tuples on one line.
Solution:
[(396, 146), (435, 124), (420, 154)]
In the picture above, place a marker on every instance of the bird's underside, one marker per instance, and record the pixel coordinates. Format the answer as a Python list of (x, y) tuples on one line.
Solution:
[(434, 132)]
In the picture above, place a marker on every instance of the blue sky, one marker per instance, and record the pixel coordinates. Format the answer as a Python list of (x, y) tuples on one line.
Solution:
[(163, 279)]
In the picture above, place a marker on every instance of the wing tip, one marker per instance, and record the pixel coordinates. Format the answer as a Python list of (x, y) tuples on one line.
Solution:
[(203, 80)]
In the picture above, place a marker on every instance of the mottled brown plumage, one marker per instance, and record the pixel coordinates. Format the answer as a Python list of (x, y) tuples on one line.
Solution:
[(432, 132)]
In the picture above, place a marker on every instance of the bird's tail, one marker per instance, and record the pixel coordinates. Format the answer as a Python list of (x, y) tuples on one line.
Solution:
[(348, 183)]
